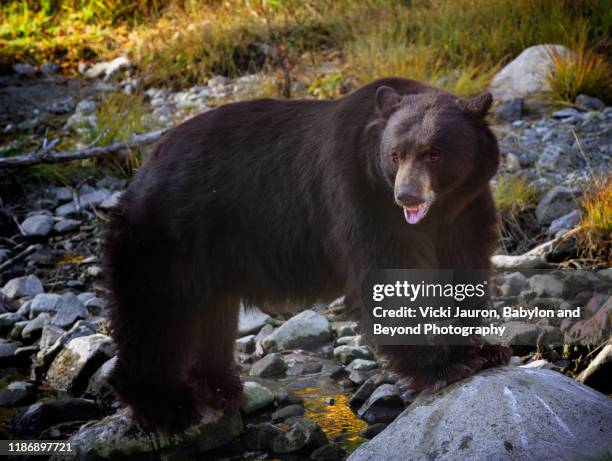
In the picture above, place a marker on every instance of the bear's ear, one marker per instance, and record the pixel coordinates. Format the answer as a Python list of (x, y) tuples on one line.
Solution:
[(477, 106), (386, 99)]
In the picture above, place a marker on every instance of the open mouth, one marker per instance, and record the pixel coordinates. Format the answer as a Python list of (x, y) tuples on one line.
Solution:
[(414, 214)]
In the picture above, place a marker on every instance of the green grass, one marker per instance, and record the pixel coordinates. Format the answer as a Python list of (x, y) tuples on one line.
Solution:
[(456, 44), (119, 117), (514, 195), (516, 200)]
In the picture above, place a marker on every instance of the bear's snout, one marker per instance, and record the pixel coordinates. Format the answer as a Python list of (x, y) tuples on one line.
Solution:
[(408, 197)]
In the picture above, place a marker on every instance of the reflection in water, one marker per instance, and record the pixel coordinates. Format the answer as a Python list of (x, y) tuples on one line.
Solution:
[(338, 421)]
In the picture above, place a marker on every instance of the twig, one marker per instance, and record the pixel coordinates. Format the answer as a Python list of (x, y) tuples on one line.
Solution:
[(581, 150), (45, 156), (9, 262)]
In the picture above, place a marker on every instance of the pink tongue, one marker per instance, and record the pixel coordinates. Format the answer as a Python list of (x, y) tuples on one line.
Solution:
[(413, 217)]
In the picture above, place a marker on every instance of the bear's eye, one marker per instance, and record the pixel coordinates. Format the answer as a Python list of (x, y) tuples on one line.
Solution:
[(433, 157)]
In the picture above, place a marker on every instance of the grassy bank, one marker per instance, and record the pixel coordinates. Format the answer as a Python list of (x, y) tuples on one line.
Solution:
[(455, 44)]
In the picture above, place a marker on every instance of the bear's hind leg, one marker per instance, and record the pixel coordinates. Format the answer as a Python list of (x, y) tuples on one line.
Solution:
[(150, 373), (213, 371)]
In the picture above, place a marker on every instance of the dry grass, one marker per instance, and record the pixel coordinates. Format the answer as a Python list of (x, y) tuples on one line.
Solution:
[(585, 73), (595, 236), (460, 45), (456, 44), (514, 195), (516, 200)]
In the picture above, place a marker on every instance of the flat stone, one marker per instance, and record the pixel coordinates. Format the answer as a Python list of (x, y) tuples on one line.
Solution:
[(67, 225), (306, 368), (78, 361), (585, 102), (287, 412), (119, 437), (557, 202), (256, 397), (372, 431), (362, 365), (344, 328), (547, 286), (108, 68), (52, 342), (37, 226), (346, 354), (330, 452), (565, 113), (17, 394), (564, 223), (34, 327), (246, 344), (260, 436), (556, 159), (358, 377), (509, 110), (98, 387), (508, 413), (383, 406), (251, 320), (7, 352), (8, 320), (44, 302), (69, 310), (308, 330), (304, 434), (527, 334), (19, 287), (24, 69), (62, 194), (362, 394), (512, 284), (31, 421), (269, 366)]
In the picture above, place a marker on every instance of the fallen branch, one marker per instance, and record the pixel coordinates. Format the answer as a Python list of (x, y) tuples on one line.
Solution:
[(46, 154), (9, 262)]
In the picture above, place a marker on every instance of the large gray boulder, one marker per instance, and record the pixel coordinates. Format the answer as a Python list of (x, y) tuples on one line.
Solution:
[(119, 437), (508, 413), (527, 74)]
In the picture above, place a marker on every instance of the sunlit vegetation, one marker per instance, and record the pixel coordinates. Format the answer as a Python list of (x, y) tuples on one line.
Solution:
[(586, 72), (455, 44), (516, 200), (596, 222)]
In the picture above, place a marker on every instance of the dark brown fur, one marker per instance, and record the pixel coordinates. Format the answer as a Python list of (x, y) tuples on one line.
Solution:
[(271, 202)]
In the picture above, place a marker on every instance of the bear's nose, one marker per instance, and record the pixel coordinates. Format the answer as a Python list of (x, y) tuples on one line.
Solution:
[(405, 198)]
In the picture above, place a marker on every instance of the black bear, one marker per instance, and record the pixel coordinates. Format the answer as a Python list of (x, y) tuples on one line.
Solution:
[(272, 202)]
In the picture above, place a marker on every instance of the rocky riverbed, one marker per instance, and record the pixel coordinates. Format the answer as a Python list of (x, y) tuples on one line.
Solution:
[(314, 389)]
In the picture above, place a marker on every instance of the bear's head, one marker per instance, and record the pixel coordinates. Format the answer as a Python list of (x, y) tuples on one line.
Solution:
[(435, 149)]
